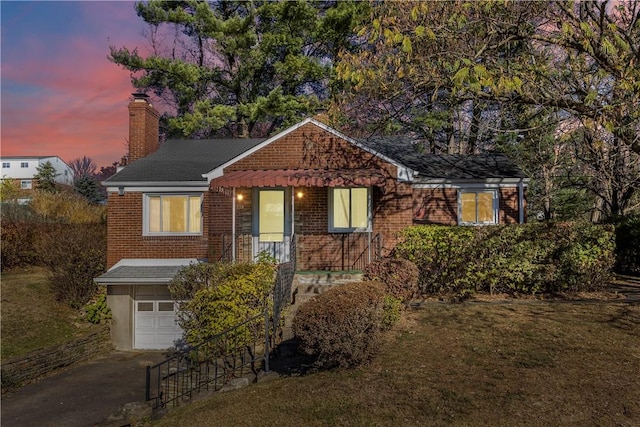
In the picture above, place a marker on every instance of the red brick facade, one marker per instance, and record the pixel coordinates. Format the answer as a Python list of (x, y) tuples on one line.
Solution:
[(143, 129), (395, 206)]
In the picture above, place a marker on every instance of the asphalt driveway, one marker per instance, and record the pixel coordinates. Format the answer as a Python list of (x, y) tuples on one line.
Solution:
[(83, 395)]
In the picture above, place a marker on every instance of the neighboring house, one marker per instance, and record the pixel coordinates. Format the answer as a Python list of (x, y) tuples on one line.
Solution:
[(23, 169), (341, 201)]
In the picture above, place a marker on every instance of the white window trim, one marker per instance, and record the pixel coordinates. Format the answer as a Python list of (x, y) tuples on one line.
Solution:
[(333, 229), (6, 165), (24, 164), (496, 205), (26, 184), (145, 215)]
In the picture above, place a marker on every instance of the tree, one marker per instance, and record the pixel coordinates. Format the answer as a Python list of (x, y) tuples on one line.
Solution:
[(237, 68), (464, 74), (87, 186), (9, 190), (46, 177), (83, 166)]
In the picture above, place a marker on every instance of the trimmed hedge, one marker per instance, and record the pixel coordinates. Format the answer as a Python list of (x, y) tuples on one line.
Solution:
[(526, 258), (399, 276), (342, 326)]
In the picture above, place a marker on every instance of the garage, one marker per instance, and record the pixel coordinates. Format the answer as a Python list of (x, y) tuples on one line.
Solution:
[(143, 312), (155, 323)]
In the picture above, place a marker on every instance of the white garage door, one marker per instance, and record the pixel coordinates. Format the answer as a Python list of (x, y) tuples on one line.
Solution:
[(156, 327)]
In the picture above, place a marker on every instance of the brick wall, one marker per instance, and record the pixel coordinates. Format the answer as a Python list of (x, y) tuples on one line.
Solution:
[(435, 206), (143, 129), (125, 228), (36, 364), (508, 200)]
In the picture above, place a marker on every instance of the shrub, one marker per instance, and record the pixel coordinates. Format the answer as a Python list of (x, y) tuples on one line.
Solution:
[(628, 245), (214, 297), (75, 255), (18, 243), (342, 326), (399, 276), (527, 258), (97, 310)]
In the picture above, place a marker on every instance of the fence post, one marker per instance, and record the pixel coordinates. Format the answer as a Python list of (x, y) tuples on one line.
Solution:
[(266, 338), (148, 385)]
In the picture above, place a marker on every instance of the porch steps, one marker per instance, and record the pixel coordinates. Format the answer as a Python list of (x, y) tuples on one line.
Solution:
[(308, 285)]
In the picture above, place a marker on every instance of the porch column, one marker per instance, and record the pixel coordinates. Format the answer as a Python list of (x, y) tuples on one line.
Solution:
[(233, 226)]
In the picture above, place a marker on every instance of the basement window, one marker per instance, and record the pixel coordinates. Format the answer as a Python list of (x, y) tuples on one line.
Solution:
[(173, 214)]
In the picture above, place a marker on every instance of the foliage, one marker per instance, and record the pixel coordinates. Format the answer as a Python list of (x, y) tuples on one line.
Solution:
[(19, 243), (75, 256), (237, 68), (342, 326), (214, 297), (9, 190), (87, 186), (555, 82), (527, 258), (65, 207), (399, 276), (97, 310), (628, 245), (46, 177)]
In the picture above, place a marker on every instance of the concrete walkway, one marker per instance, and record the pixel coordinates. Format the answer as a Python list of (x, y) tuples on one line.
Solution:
[(81, 395)]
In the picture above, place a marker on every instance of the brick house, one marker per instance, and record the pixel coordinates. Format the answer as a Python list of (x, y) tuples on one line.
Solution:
[(342, 201)]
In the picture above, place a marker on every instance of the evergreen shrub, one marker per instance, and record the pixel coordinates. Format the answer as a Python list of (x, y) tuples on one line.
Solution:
[(342, 327), (525, 258)]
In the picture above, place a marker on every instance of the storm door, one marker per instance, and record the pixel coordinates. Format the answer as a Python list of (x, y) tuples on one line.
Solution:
[(272, 224)]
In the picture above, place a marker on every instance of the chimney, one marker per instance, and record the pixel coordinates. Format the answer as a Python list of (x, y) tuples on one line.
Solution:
[(144, 123)]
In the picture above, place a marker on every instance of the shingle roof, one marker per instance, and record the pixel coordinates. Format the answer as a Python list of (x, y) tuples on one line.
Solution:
[(140, 274), (403, 150), (183, 160)]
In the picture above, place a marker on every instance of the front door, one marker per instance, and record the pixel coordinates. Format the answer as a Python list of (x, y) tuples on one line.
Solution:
[(271, 224)]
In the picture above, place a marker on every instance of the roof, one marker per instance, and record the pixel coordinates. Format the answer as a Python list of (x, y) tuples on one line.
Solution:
[(180, 160), (25, 157), (301, 178), (405, 151), (151, 271)]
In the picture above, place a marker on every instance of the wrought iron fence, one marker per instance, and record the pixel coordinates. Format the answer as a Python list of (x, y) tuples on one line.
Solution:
[(240, 350), (371, 252)]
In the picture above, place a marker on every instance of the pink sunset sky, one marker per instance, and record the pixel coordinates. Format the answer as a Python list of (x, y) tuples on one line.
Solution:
[(60, 95)]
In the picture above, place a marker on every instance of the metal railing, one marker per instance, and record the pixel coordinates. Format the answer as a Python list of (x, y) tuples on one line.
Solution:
[(371, 252), (237, 351)]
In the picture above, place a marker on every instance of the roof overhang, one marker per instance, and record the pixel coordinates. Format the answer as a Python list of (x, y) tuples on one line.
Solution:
[(144, 271), (457, 183), (302, 178)]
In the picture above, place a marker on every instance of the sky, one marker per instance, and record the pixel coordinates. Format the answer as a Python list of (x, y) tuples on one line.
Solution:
[(59, 93)]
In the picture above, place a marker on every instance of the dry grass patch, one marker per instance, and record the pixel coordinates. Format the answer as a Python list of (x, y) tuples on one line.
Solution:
[(31, 317), (531, 363)]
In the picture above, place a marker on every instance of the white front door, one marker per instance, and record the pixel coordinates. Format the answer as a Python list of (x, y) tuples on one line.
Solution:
[(155, 321), (271, 235)]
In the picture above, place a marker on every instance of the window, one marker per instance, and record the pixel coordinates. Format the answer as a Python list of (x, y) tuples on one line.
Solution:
[(6, 165), (26, 184), (477, 207), (349, 209), (24, 164), (271, 216), (173, 214)]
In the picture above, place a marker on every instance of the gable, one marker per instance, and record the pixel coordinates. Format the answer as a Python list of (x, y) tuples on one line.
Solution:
[(310, 145)]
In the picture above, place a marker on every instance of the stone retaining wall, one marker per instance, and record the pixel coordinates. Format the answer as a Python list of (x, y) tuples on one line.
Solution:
[(23, 369)]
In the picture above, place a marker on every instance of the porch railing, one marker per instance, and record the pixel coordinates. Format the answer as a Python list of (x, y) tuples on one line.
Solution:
[(240, 350)]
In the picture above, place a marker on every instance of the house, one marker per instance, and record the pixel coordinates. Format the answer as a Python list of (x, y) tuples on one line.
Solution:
[(23, 169), (334, 201)]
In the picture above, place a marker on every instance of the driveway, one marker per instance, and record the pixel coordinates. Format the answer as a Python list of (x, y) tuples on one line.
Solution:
[(82, 395)]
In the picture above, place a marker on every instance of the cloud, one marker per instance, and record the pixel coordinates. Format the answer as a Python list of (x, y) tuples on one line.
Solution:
[(60, 94)]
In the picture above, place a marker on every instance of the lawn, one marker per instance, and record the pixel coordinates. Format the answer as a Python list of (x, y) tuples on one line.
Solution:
[(31, 317), (494, 364)]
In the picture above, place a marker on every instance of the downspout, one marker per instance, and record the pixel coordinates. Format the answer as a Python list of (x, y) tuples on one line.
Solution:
[(292, 233), (233, 226), (521, 201)]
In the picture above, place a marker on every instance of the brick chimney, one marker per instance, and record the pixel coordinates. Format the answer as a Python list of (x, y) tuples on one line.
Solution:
[(144, 123)]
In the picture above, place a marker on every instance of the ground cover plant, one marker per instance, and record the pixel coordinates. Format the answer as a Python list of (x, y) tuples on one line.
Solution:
[(525, 363), (31, 316)]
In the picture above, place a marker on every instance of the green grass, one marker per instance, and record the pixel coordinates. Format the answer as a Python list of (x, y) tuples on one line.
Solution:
[(533, 363), (31, 317)]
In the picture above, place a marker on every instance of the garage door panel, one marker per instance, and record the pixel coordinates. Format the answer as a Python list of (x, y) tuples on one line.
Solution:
[(155, 322), (166, 322)]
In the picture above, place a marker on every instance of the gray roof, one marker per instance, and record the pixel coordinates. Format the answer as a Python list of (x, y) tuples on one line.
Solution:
[(404, 150), (183, 160), (140, 274)]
